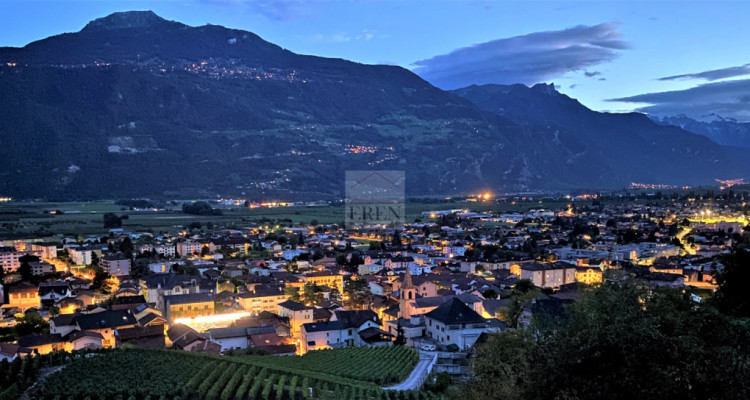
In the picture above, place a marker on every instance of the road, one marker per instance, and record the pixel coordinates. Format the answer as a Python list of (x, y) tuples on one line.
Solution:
[(418, 374)]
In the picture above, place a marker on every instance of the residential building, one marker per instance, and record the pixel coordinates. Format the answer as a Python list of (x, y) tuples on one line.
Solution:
[(24, 296), (263, 298), (188, 306), (80, 256), (297, 313), (455, 323), (48, 251), (116, 265), (549, 275)]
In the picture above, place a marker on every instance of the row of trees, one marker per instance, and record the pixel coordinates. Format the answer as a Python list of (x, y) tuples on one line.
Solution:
[(623, 342)]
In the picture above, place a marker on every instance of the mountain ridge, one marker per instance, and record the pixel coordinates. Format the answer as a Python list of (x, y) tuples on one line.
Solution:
[(135, 106)]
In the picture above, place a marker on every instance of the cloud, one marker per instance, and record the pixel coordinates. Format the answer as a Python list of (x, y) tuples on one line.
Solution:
[(712, 75), (591, 74), (528, 59), (275, 10), (726, 98), (341, 37)]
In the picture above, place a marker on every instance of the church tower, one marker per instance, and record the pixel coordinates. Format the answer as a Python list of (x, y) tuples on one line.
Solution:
[(408, 294)]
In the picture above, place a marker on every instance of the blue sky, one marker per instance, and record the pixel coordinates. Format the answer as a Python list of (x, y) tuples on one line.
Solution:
[(594, 51)]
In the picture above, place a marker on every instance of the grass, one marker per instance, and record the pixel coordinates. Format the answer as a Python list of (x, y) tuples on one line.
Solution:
[(32, 219)]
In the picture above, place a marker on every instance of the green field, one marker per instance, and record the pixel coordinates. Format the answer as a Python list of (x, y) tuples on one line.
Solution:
[(380, 365), (33, 219), (134, 374)]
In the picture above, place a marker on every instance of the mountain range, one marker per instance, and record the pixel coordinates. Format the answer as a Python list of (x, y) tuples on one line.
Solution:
[(135, 105), (724, 131)]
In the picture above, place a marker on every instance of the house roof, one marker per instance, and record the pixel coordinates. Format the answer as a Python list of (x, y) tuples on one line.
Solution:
[(131, 300), (64, 319), (356, 318), (260, 330), (265, 339), (75, 335), (40, 340), (168, 281), (9, 349), (321, 314), (372, 334), (58, 287), (323, 326), (224, 333), (178, 330), (23, 287), (189, 298), (546, 266), (454, 311), (294, 306), (106, 319), (140, 332)]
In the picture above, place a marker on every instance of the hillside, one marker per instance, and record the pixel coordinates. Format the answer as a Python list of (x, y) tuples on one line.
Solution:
[(621, 147), (134, 105)]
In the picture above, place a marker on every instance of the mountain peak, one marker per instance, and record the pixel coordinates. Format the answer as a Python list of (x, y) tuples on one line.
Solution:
[(129, 19), (548, 88)]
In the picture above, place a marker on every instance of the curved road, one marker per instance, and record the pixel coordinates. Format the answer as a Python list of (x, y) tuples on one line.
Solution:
[(418, 374)]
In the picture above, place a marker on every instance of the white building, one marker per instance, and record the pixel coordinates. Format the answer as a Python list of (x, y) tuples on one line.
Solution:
[(454, 323), (116, 265), (80, 256), (549, 275)]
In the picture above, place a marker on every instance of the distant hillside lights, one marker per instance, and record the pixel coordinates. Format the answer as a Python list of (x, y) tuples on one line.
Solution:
[(5, 199)]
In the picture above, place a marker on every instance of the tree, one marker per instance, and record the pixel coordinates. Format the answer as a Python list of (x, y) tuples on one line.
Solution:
[(200, 208), (111, 221), (731, 296), (619, 342), (396, 240), (400, 335), (311, 294), (127, 247), (335, 296), (292, 292), (25, 271), (356, 293), (100, 278), (30, 323), (489, 294), (524, 290)]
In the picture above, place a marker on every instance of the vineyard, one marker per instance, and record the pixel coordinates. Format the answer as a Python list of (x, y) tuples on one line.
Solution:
[(136, 374), (379, 365)]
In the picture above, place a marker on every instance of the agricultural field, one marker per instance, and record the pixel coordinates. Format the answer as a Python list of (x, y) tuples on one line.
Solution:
[(380, 365), (136, 374), (34, 219)]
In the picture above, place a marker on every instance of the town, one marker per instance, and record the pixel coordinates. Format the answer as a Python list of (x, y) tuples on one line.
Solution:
[(440, 284)]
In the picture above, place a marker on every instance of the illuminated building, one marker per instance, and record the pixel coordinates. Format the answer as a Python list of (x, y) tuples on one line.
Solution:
[(188, 306), (589, 275)]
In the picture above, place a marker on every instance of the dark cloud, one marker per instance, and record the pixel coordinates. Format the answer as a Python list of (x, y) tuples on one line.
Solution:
[(528, 59), (712, 75), (573, 86), (726, 98), (591, 74)]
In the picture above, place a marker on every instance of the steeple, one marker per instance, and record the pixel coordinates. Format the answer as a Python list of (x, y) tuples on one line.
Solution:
[(407, 284), (408, 294)]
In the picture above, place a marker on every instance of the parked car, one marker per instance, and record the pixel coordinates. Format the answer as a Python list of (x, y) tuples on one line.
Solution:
[(428, 347)]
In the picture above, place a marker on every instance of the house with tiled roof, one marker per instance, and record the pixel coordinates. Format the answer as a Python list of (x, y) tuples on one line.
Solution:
[(454, 323), (344, 329), (298, 314)]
